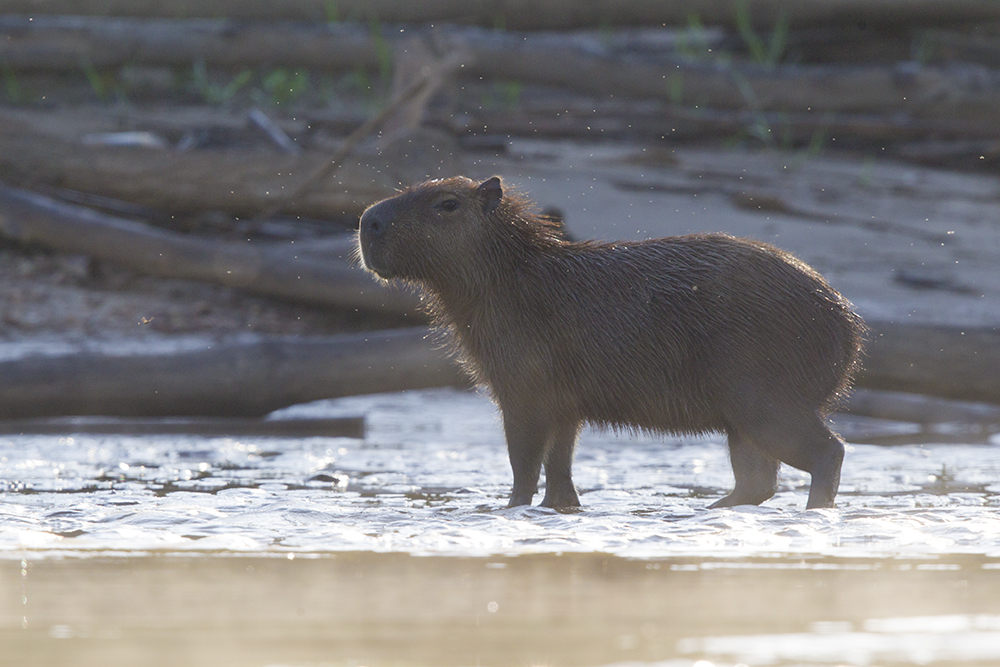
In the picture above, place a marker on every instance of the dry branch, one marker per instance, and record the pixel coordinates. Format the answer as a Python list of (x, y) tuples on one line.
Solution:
[(319, 275), (273, 131)]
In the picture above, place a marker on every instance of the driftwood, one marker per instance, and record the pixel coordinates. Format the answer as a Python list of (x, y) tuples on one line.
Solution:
[(340, 427), (961, 363), (232, 181), (983, 152), (789, 104), (239, 379), (254, 378), (964, 46), (70, 42), (957, 363), (956, 92), (239, 182), (918, 408), (537, 14), (929, 92), (679, 123), (319, 273)]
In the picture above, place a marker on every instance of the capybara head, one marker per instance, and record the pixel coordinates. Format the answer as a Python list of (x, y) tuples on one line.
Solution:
[(441, 232)]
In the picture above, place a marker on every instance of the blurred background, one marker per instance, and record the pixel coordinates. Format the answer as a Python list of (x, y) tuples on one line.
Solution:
[(193, 362)]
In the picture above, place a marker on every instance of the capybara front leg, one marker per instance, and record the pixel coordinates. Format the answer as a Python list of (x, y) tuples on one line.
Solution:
[(559, 489), (527, 436)]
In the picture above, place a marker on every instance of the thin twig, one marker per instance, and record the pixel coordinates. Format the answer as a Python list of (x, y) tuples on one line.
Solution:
[(273, 131)]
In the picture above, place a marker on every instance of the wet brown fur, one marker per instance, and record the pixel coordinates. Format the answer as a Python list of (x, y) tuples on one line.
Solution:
[(687, 334)]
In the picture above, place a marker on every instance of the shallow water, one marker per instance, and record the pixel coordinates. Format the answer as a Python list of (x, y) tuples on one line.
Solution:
[(431, 477), (397, 549)]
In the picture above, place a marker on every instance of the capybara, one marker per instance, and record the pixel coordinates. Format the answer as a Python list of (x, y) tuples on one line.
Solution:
[(685, 334)]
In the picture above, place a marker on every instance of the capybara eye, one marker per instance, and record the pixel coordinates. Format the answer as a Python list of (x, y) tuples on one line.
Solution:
[(448, 205)]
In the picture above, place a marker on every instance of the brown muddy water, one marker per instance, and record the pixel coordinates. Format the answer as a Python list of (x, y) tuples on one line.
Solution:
[(395, 549)]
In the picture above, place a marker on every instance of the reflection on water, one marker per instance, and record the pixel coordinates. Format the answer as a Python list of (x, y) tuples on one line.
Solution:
[(396, 549), (909, 640), (353, 609)]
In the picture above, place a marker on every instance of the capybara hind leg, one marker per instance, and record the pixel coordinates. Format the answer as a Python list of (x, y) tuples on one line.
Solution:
[(826, 467), (559, 489), (805, 442), (755, 471)]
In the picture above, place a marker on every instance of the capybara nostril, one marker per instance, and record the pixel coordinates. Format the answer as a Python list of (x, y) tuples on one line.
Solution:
[(371, 224)]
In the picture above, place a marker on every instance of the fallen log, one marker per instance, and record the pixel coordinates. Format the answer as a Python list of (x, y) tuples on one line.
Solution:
[(918, 408), (237, 379), (970, 47), (321, 274), (538, 14), (239, 182), (982, 153), (941, 91), (248, 379), (903, 88), (334, 427), (71, 42), (961, 363), (625, 121)]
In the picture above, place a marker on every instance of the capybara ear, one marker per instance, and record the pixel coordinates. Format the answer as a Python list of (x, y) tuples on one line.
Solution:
[(491, 191)]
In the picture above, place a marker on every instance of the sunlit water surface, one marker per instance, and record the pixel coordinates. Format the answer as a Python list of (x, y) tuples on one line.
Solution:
[(431, 478)]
